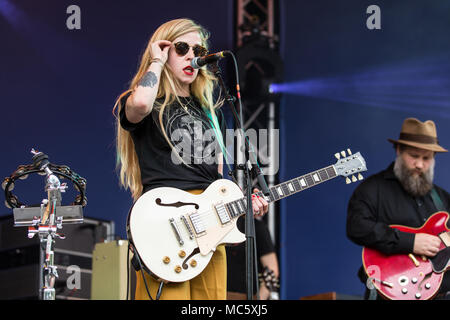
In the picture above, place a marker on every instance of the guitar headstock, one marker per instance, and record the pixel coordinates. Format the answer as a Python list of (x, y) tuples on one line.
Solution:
[(350, 165)]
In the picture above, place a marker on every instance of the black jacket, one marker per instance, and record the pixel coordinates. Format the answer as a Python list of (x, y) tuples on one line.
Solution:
[(381, 201)]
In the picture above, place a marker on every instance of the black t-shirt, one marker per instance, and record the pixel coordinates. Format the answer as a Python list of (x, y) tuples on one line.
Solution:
[(190, 133)]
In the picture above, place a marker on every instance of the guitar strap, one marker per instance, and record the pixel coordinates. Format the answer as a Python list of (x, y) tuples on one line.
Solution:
[(441, 260), (220, 139), (437, 200)]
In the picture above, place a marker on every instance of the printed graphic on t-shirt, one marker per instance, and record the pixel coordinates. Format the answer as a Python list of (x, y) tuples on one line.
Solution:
[(191, 135)]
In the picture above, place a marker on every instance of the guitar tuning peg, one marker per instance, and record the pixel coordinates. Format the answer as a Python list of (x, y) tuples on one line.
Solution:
[(360, 177), (354, 179), (337, 155), (343, 154), (347, 180), (349, 152)]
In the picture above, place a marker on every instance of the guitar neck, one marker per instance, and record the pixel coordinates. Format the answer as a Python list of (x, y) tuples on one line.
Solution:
[(238, 207), (299, 184)]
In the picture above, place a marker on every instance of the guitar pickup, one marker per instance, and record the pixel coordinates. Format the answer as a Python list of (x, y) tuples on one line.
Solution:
[(197, 223), (222, 213), (445, 238)]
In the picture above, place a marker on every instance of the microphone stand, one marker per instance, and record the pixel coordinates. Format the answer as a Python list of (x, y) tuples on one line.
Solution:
[(250, 245)]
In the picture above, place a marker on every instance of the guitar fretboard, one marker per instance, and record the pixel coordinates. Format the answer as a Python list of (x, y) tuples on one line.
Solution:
[(238, 207)]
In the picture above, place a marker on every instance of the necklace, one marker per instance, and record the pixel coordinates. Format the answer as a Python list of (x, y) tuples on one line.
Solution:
[(187, 103)]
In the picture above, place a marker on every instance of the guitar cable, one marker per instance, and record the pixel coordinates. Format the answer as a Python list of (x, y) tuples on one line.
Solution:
[(142, 272), (158, 293)]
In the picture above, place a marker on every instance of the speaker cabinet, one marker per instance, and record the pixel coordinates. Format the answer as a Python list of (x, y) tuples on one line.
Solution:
[(21, 259)]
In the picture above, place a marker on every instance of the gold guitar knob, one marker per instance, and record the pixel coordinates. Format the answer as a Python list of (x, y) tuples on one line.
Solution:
[(166, 260), (193, 263), (181, 254), (178, 269)]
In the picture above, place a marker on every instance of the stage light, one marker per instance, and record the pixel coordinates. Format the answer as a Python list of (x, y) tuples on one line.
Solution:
[(11, 13), (259, 67), (272, 88), (419, 86)]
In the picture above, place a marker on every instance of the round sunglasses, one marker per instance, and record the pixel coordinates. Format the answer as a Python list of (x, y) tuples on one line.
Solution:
[(182, 48)]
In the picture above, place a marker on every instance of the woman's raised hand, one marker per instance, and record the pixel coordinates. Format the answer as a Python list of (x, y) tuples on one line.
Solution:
[(160, 50)]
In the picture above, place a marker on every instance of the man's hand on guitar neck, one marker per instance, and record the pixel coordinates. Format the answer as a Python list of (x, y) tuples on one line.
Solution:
[(426, 244), (260, 205)]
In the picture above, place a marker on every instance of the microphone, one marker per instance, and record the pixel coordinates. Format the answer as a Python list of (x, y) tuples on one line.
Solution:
[(256, 171), (199, 62)]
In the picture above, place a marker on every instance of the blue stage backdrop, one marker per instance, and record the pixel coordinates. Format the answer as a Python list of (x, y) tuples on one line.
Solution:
[(346, 87), (58, 86), (351, 87)]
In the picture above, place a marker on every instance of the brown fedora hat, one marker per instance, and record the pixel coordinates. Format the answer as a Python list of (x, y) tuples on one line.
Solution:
[(419, 134)]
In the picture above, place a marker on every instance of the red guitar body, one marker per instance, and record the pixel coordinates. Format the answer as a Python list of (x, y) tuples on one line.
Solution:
[(403, 276)]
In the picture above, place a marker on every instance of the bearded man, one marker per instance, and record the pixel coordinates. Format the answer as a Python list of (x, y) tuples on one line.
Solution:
[(403, 194)]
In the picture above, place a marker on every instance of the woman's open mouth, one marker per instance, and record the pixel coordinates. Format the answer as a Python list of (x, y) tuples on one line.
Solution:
[(188, 71)]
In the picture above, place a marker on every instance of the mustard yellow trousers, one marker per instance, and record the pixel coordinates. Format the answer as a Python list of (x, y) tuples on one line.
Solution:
[(211, 284)]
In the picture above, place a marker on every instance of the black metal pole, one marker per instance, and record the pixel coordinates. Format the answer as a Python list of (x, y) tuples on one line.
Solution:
[(250, 245)]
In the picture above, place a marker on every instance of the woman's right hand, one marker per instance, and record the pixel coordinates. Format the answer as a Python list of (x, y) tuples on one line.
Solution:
[(160, 50)]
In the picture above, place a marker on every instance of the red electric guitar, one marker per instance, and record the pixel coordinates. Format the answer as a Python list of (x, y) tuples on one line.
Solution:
[(409, 276)]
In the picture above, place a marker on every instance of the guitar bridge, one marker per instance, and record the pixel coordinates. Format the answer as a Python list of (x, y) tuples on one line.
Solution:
[(188, 227), (176, 231)]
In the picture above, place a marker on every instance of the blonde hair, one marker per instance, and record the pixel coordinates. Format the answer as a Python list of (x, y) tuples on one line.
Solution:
[(202, 89)]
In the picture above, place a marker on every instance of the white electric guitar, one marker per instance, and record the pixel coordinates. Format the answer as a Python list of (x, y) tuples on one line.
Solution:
[(175, 232)]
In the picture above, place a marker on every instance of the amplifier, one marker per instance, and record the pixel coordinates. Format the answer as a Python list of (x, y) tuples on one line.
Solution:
[(21, 259), (109, 272)]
